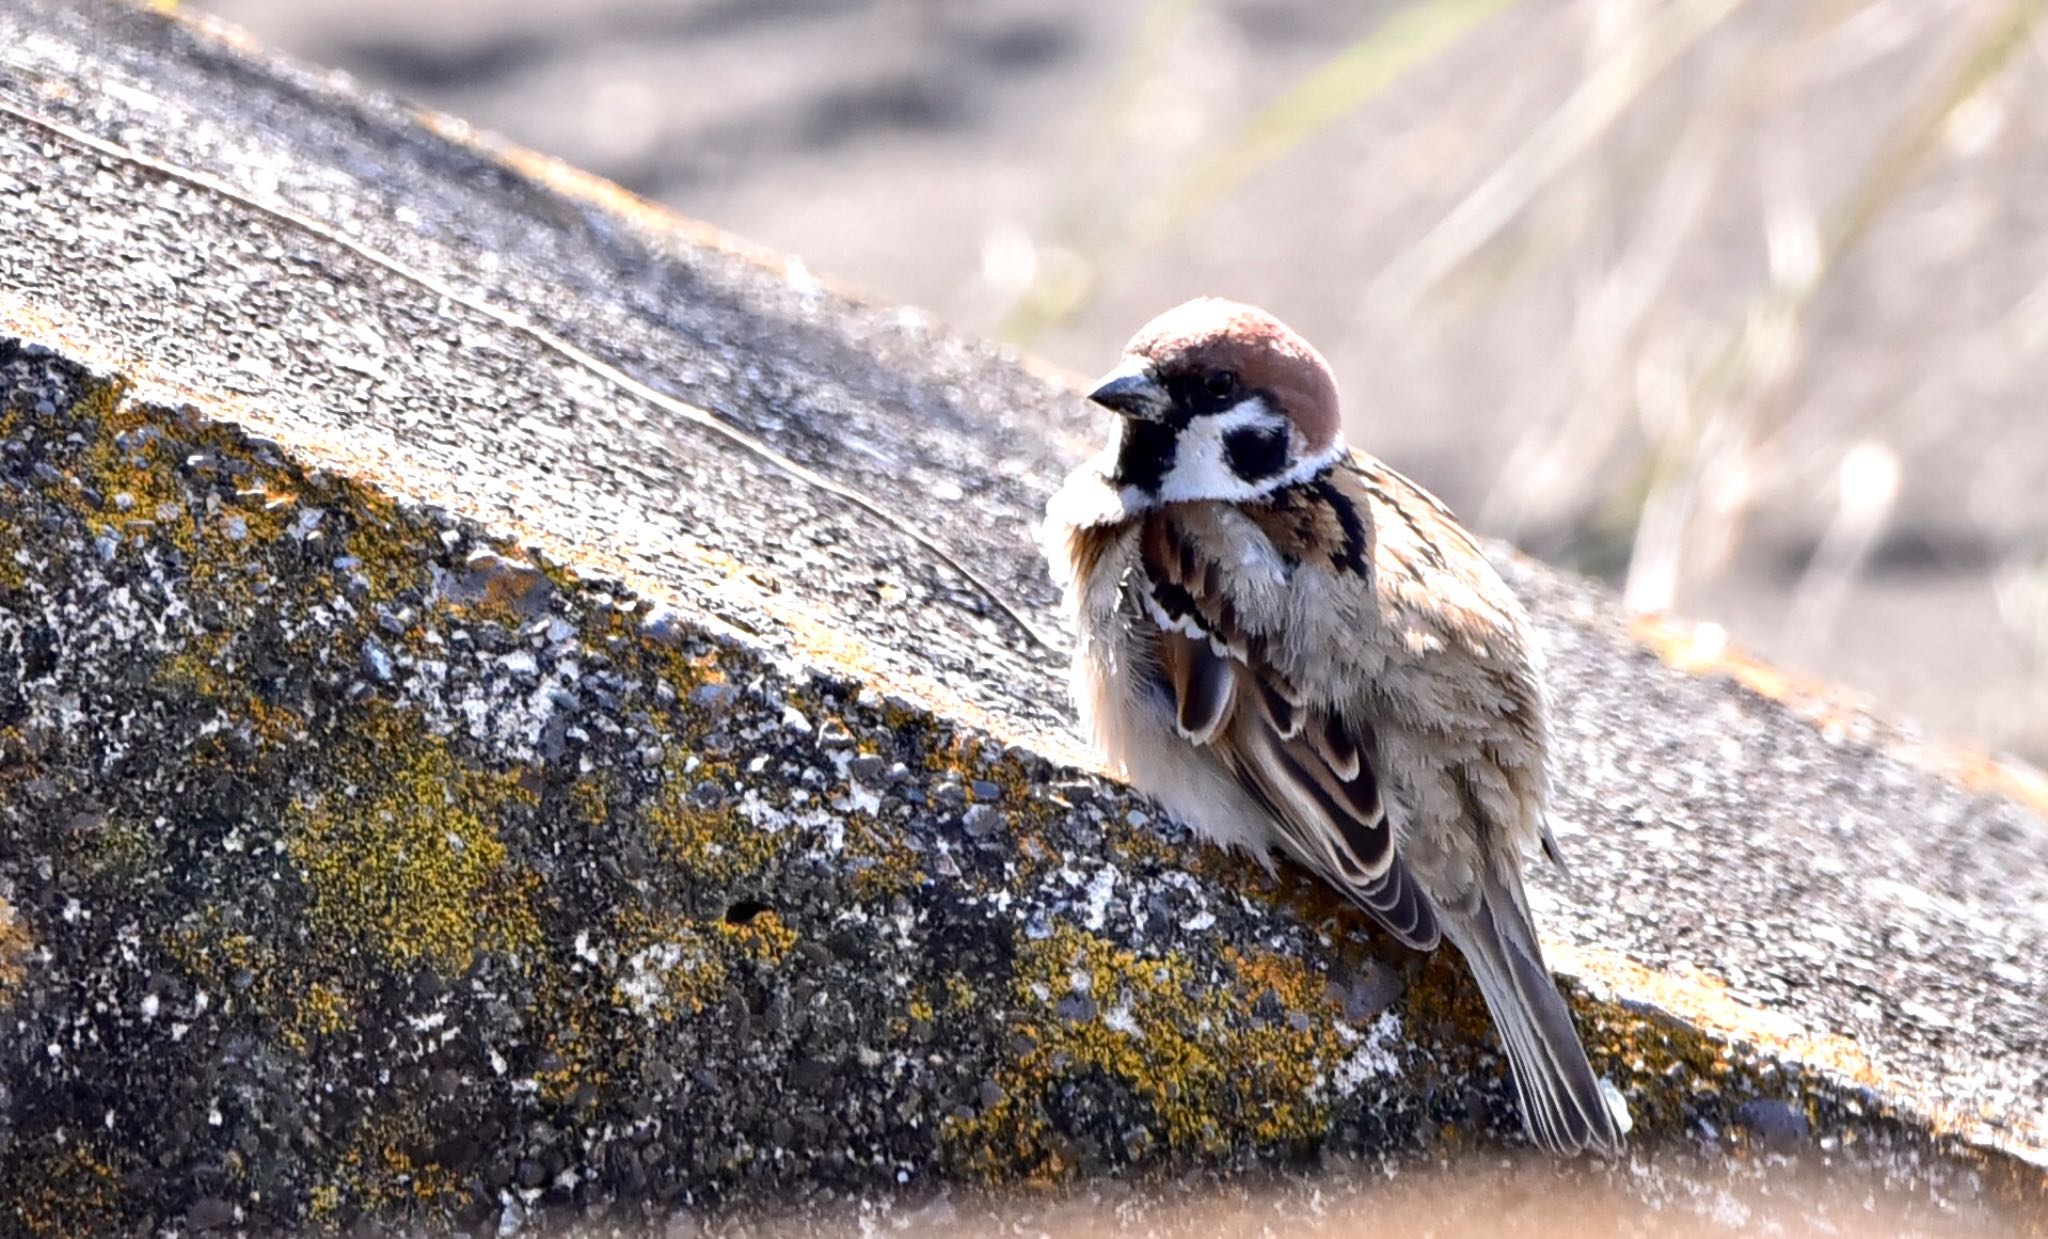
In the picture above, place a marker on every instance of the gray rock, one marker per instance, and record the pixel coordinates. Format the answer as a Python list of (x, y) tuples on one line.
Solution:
[(1776, 1124), (271, 820)]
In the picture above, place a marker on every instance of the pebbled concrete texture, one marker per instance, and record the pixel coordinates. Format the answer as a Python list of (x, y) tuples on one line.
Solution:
[(437, 785), (358, 863)]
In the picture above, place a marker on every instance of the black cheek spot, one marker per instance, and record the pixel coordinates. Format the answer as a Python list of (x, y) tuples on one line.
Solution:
[(1256, 452)]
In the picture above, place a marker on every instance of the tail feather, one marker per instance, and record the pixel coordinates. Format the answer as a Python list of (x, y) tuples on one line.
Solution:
[(1562, 1105)]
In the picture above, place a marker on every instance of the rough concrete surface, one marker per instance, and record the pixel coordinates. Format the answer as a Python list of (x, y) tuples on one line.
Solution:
[(972, 148), (437, 785)]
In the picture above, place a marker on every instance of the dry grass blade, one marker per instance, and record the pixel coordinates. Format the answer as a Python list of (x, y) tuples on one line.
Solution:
[(1588, 113), (1578, 413), (1360, 73), (1906, 148), (1158, 26), (1405, 42), (1722, 428)]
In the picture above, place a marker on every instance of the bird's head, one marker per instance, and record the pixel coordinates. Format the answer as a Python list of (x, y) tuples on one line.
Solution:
[(1220, 401)]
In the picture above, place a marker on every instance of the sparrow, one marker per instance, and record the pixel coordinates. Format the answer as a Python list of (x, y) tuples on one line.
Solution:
[(1295, 649)]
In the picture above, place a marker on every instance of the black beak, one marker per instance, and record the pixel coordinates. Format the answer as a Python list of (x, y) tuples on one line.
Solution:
[(1131, 391)]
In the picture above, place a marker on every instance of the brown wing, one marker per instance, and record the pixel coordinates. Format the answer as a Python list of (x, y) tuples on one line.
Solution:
[(1316, 774)]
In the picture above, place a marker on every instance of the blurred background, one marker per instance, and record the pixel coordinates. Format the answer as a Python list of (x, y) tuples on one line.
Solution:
[(1742, 307)]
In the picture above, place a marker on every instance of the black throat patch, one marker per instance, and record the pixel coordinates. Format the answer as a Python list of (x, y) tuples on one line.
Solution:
[(1146, 454)]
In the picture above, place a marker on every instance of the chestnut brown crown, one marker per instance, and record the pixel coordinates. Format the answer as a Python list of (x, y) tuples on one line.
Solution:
[(1212, 335), (1220, 400)]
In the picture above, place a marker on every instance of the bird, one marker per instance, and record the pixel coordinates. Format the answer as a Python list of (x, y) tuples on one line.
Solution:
[(1296, 650)]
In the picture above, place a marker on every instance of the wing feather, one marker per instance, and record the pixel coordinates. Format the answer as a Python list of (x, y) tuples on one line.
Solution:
[(1282, 715), (1204, 686), (1316, 773)]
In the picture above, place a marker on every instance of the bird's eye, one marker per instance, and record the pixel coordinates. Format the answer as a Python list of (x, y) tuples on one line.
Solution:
[(1222, 384)]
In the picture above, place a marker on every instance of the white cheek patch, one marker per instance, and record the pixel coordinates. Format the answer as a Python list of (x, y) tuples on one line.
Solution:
[(1201, 467), (1201, 462)]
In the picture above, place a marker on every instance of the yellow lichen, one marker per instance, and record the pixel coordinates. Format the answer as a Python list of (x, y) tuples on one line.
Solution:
[(133, 462), (15, 945), (253, 971), (576, 1040), (590, 796), (712, 843), (69, 1192), (960, 993), (656, 969), (883, 863), (14, 557), (401, 856), (121, 851), (1208, 1068), (668, 966), (125, 462), (717, 845), (379, 1171), (424, 1182), (674, 966), (322, 1009), (763, 938), (195, 669)]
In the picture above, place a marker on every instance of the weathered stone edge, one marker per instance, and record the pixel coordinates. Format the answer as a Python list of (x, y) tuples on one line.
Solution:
[(1700, 649), (1677, 1079)]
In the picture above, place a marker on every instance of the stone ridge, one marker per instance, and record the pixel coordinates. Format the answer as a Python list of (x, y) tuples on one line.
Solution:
[(355, 863), (1778, 920), (358, 865)]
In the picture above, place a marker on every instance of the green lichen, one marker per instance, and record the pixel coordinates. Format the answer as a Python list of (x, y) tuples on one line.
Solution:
[(401, 856)]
